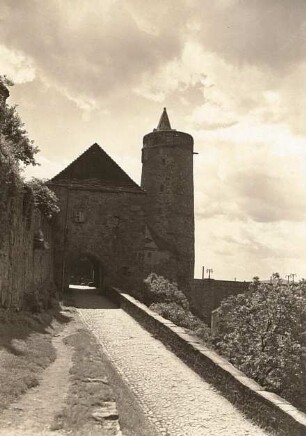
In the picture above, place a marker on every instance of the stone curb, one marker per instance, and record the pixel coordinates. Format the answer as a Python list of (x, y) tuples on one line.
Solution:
[(266, 408)]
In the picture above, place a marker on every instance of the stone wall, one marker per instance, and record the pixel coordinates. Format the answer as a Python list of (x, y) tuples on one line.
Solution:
[(206, 295), (26, 261), (265, 408), (111, 232), (167, 177)]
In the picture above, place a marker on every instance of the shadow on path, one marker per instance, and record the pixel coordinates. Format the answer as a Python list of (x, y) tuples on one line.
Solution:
[(84, 297), (20, 325)]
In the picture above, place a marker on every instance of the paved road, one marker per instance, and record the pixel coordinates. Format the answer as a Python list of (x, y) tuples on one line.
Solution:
[(175, 398)]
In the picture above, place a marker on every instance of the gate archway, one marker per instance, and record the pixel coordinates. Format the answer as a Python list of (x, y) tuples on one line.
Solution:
[(85, 269)]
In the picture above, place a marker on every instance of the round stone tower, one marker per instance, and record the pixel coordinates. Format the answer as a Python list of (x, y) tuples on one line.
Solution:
[(167, 177)]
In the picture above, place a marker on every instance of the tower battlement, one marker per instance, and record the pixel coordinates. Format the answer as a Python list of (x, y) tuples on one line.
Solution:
[(168, 138)]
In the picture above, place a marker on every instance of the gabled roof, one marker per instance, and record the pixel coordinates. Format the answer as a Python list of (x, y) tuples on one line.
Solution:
[(95, 167)]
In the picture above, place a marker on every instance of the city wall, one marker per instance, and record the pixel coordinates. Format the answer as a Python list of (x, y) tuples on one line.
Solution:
[(206, 295), (26, 251)]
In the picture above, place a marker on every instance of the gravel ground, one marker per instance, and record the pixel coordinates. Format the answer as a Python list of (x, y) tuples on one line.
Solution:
[(172, 396)]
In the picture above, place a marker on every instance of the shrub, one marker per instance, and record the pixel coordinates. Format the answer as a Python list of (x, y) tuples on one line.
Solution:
[(167, 300), (160, 290), (262, 332), (174, 313)]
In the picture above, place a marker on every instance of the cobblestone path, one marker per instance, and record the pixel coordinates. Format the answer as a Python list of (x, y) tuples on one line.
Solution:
[(173, 396)]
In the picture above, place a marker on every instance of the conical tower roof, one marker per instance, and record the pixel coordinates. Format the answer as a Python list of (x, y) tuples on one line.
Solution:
[(164, 123)]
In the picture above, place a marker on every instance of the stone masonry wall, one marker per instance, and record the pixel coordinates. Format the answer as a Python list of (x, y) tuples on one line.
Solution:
[(160, 262), (111, 232), (26, 261), (206, 295), (167, 177)]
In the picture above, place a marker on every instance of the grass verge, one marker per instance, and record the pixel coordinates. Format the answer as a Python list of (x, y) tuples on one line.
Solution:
[(25, 350)]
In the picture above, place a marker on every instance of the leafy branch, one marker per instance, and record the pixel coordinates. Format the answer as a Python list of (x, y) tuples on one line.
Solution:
[(13, 132), (44, 199)]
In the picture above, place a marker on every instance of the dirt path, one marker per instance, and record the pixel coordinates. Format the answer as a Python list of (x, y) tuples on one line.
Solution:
[(73, 395), (34, 413)]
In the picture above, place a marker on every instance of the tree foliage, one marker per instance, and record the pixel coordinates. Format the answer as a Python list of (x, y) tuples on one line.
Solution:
[(13, 133), (44, 199), (262, 332), (5, 81)]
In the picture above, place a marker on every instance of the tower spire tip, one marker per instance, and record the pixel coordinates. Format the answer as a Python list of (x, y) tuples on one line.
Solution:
[(164, 123)]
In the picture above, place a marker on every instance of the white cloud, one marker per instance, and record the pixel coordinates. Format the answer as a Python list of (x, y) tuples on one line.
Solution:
[(16, 65)]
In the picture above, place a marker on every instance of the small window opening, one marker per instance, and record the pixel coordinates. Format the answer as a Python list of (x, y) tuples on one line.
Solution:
[(79, 216)]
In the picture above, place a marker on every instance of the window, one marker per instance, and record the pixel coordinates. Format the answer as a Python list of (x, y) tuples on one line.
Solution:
[(79, 216)]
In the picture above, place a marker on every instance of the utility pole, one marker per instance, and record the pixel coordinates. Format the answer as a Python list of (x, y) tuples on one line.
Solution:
[(288, 277), (203, 271), (209, 270)]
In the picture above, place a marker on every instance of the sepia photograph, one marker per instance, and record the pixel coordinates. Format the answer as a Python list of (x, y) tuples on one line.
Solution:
[(152, 218)]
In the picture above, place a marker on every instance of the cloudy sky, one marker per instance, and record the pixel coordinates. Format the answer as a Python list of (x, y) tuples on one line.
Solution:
[(230, 72)]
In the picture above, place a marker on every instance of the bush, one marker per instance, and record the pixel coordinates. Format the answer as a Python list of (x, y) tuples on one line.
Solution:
[(167, 300), (262, 332), (174, 313), (160, 290)]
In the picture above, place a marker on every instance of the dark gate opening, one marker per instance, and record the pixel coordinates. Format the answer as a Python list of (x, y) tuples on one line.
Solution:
[(85, 271)]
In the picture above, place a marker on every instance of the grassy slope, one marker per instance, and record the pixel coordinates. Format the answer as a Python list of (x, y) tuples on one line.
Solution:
[(25, 350)]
